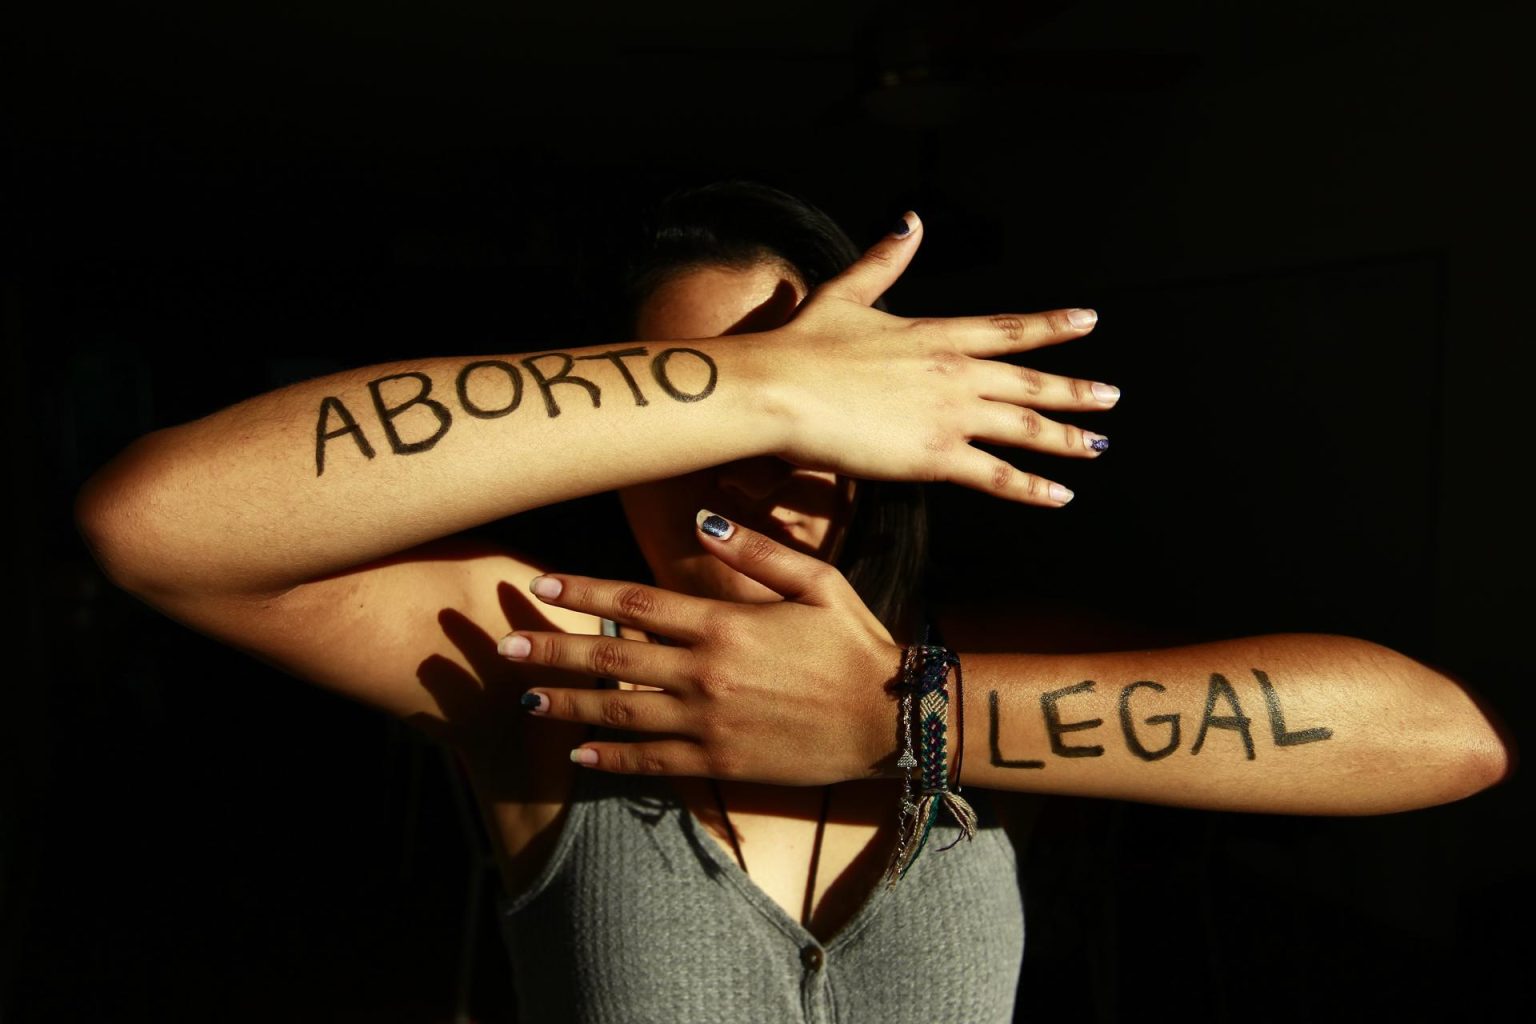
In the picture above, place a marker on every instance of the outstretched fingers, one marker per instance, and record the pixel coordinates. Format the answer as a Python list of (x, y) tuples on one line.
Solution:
[(630, 710), (605, 657), (1022, 385), (989, 474), (658, 757), (1022, 427), (679, 616), (1003, 333)]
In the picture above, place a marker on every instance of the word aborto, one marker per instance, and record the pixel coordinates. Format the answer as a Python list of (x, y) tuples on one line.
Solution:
[(538, 367)]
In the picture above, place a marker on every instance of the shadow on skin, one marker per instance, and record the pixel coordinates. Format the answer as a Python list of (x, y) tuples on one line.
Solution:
[(480, 714)]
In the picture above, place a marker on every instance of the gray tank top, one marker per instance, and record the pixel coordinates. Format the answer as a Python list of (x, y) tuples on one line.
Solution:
[(640, 916)]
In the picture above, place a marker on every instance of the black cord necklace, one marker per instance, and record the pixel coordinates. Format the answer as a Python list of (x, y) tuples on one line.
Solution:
[(821, 828), (730, 830)]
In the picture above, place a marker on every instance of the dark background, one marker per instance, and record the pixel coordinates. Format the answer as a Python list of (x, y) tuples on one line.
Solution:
[(1304, 225)]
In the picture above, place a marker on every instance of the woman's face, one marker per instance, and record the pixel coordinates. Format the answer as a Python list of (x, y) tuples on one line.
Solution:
[(803, 509)]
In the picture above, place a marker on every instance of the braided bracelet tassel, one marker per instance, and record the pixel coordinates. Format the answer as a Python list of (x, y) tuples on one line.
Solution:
[(923, 674)]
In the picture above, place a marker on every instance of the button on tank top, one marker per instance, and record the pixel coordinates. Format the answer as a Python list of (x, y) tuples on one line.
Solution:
[(640, 916)]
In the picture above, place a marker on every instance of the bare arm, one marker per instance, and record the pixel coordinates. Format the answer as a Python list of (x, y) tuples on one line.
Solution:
[(797, 693), (313, 525), (1290, 723), (340, 471)]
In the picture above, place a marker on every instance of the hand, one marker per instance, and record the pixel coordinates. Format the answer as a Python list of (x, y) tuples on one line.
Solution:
[(871, 395), (792, 692)]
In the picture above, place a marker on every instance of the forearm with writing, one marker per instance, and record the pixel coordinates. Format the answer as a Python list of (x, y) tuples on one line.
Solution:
[(329, 474), (1291, 724)]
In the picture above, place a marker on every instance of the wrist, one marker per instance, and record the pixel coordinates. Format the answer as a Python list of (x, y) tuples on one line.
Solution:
[(769, 399), (883, 721)]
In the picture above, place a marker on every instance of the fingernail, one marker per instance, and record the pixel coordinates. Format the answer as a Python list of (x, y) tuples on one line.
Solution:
[(535, 703), (1097, 442), (903, 227), (514, 646), (718, 527), (581, 755), (1060, 494), (546, 587), (1081, 318), (1106, 393)]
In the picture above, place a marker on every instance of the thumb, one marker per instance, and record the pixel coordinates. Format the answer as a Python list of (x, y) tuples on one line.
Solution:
[(792, 574), (882, 263)]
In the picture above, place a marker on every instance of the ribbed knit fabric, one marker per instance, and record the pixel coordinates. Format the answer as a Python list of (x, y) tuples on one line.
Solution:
[(639, 916)]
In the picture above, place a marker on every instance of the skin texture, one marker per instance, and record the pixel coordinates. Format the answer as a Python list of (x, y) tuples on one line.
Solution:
[(1292, 723), (353, 572), (805, 509), (319, 527)]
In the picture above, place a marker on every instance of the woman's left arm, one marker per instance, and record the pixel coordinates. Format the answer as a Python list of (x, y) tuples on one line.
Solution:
[(798, 693), (1301, 724)]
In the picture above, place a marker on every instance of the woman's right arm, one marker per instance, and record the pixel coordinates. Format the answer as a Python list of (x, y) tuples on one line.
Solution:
[(310, 525), (315, 526)]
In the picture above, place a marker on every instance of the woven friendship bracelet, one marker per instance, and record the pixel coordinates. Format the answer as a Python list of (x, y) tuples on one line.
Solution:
[(924, 760)]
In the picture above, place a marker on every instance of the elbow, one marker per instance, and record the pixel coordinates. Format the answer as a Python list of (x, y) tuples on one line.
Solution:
[(1485, 750), (100, 517), (110, 514), (1492, 756)]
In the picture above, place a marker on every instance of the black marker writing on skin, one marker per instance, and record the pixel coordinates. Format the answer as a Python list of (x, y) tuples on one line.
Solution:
[(387, 413), (562, 376), (1128, 727), (617, 359), (1055, 728), (1219, 689), (659, 371), (332, 408), (461, 385), (349, 427), (997, 752), (1277, 717), (1237, 721)]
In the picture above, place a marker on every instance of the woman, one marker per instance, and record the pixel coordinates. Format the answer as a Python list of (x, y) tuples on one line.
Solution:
[(320, 527)]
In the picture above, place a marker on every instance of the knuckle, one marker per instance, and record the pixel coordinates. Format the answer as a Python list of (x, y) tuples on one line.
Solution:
[(714, 625), (547, 649), (1002, 476), (712, 684), (606, 659), (616, 713), (1071, 437), (1012, 327), (576, 591), (757, 548), (823, 575), (1032, 422), (648, 762), (634, 601), (880, 256), (945, 364), (1056, 320), (1079, 388), (722, 763), (1031, 379), (563, 704), (1032, 485)]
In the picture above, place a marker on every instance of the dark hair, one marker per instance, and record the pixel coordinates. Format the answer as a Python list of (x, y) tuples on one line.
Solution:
[(742, 224)]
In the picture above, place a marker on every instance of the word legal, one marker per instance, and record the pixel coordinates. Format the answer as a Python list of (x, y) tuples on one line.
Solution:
[(1219, 690), (491, 373)]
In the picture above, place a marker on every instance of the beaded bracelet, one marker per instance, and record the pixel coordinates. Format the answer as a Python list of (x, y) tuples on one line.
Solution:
[(924, 715)]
